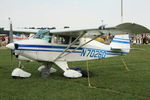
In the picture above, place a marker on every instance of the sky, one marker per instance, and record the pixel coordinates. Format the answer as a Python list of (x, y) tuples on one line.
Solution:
[(73, 13)]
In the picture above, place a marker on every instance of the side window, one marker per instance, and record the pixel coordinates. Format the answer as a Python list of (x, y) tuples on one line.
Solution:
[(47, 37), (77, 42), (44, 35), (61, 39), (65, 40), (58, 39)]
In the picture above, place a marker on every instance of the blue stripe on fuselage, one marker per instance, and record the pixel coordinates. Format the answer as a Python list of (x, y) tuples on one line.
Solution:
[(63, 47), (48, 50), (124, 42), (47, 46), (121, 39)]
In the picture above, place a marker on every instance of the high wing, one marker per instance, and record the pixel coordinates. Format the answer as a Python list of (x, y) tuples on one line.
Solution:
[(23, 30), (75, 32), (122, 28), (128, 28)]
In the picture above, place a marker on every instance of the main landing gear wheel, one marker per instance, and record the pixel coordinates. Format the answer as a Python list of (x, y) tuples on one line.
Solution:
[(46, 69), (19, 72)]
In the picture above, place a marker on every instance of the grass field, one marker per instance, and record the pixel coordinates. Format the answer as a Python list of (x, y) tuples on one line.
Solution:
[(111, 80)]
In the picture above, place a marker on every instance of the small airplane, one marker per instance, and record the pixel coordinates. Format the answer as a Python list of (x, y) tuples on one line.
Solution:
[(67, 45), (19, 36)]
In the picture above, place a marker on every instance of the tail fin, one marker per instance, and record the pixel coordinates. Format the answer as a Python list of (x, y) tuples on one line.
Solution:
[(121, 42)]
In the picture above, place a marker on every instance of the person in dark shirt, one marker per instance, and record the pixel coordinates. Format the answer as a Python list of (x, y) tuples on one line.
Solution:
[(3, 44)]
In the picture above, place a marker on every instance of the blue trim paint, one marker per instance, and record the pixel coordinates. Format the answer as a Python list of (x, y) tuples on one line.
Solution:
[(47, 46), (121, 39), (64, 47), (124, 42), (47, 50), (107, 53)]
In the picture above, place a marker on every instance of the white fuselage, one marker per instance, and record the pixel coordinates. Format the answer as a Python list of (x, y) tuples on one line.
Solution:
[(40, 50)]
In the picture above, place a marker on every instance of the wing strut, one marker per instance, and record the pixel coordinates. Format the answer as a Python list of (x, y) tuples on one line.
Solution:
[(79, 46), (59, 56)]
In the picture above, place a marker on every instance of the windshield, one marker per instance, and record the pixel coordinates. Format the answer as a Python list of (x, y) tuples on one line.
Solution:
[(44, 34)]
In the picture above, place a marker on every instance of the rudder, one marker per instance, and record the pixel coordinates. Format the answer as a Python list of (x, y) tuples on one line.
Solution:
[(121, 42)]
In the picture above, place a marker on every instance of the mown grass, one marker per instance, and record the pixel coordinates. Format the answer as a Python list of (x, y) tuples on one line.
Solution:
[(111, 80)]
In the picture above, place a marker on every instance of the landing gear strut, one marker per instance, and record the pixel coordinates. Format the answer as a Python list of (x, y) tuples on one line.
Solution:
[(20, 65), (45, 72)]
